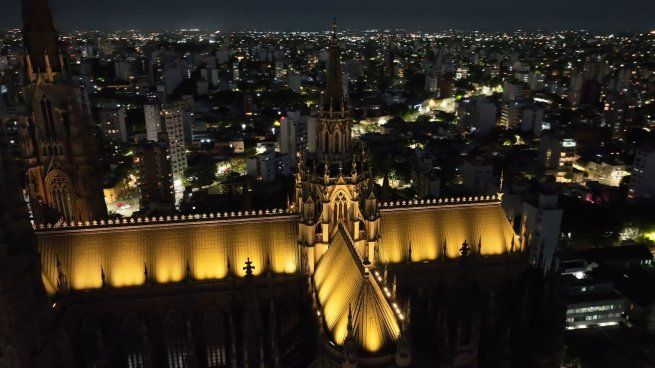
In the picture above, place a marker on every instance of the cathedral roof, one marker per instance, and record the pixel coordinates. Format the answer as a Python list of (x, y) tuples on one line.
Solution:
[(210, 247), (343, 284), (427, 229)]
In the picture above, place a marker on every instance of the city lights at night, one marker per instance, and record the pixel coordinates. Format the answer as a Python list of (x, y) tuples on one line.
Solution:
[(344, 184)]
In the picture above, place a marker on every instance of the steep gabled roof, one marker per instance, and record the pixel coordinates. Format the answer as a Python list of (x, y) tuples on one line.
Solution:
[(342, 283)]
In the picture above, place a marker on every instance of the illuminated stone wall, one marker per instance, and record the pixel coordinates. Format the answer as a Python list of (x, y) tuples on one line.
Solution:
[(428, 227), (122, 251)]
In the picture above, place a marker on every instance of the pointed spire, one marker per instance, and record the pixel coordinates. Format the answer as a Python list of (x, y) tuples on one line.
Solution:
[(48, 67), (188, 276), (465, 249), (326, 169), (146, 276), (333, 87), (30, 70), (103, 277), (394, 287), (62, 281), (39, 35)]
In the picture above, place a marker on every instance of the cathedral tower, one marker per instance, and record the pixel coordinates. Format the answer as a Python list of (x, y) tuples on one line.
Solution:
[(57, 143), (334, 121), (333, 186)]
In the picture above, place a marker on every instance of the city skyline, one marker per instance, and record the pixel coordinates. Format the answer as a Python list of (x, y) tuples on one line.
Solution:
[(288, 15), (214, 184)]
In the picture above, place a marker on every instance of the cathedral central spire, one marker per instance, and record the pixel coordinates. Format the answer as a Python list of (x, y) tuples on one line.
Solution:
[(330, 139), (40, 36), (334, 96)]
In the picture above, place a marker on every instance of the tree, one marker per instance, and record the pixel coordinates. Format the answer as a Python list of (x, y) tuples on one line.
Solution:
[(201, 174)]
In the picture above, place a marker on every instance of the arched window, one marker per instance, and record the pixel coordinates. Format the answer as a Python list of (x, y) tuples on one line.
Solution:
[(48, 118), (175, 335), (60, 193), (340, 207), (214, 335), (134, 337), (337, 141), (90, 342), (326, 141), (288, 318)]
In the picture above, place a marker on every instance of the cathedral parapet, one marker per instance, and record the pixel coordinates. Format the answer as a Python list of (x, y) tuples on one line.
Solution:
[(276, 212), (442, 201)]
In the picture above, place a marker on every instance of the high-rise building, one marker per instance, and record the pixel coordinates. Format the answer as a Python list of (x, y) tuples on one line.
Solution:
[(557, 155), (642, 181), (288, 139), (236, 71), (280, 71), (431, 82), (63, 180), (155, 176), (540, 230), (293, 81), (512, 91), (477, 116), (122, 70), (112, 122), (528, 117), (478, 176), (173, 116), (152, 113)]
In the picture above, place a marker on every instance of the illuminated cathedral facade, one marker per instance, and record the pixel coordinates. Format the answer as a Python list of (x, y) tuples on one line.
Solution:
[(337, 279)]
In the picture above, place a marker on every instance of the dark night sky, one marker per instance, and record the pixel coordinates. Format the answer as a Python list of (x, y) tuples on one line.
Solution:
[(429, 15)]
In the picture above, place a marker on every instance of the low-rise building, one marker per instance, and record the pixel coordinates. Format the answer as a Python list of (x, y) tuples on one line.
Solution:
[(268, 165)]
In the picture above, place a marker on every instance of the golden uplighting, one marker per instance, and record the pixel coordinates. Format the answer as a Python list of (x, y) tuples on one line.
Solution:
[(166, 249), (428, 229), (342, 284)]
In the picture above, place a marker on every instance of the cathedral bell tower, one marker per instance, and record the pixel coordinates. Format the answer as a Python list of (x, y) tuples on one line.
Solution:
[(57, 144), (333, 140), (332, 185)]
